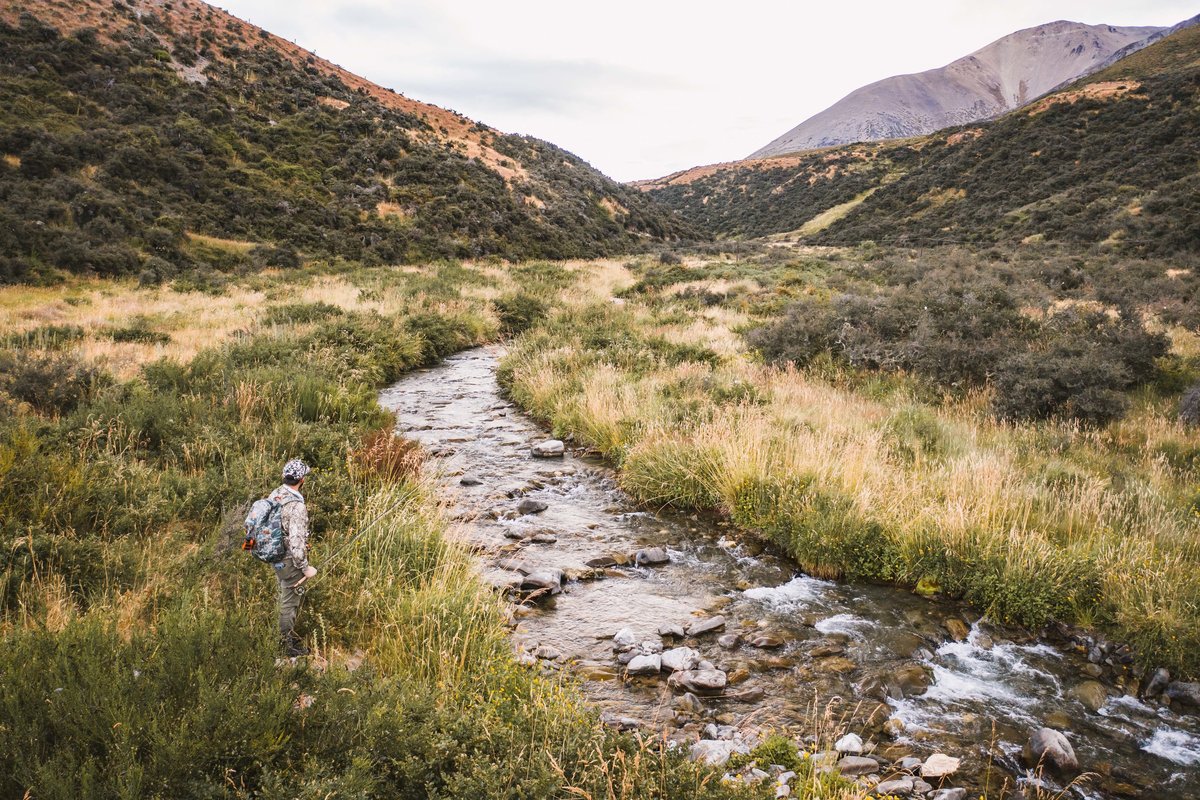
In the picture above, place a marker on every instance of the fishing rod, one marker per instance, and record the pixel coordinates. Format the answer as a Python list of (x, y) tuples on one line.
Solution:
[(299, 587)]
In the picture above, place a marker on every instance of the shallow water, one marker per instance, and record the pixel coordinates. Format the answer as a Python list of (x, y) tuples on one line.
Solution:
[(986, 694)]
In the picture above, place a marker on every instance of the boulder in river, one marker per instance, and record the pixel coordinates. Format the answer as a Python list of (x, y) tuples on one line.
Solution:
[(530, 506), (1051, 748), (601, 562), (680, 659), (702, 626), (1186, 693), (939, 765), (857, 765), (1091, 694), (469, 480), (645, 665), (698, 681), (651, 556), (549, 449), (957, 628), (1158, 682), (549, 578)]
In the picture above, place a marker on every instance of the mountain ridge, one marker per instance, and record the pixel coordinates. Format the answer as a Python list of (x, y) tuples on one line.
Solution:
[(999, 77)]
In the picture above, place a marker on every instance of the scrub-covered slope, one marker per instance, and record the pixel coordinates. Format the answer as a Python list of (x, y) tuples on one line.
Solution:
[(133, 135)]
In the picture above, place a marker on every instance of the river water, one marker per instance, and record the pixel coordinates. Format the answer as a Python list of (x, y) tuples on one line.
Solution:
[(836, 651)]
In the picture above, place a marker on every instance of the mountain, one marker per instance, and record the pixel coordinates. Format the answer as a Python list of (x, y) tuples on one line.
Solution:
[(1003, 76), (141, 136), (1111, 160)]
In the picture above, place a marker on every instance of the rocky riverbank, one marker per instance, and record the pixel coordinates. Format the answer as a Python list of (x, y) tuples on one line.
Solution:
[(677, 625)]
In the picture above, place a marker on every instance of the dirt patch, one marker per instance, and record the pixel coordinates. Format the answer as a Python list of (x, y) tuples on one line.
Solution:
[(964, 136), (333, 102), (1105, 90)]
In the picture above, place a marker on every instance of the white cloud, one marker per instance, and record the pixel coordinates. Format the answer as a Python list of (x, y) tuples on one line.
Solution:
[(642, 88)]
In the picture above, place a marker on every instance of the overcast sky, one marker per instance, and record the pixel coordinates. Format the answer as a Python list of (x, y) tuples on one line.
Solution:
[(641, 88)]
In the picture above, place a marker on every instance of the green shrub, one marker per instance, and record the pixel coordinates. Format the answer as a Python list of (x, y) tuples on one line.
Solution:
[(519, 312), (300, 313), (1189, 406), (51, 384)]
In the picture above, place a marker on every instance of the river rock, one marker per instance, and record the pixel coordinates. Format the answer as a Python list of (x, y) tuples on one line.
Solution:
[(921, 787), (698, 681), (1186, 693), (901, 786), (645, 665), (850, 744), (957, 628), (547, 653), (729, 640), (1158, 682), (857, 765), (651, 646), (894, 728), (619, 722), (672, 630), (949, 794), (680, 659), (939, 765), (716, 752), (543, 538), (702, 626), (651, 556), (624, 639), (549, 449), (689, 703), (826, 650), (530, 506), (550, 578), (601, 562), (469, 480), (1091, 694), (765, 641), (1050, 747), (909, 763)]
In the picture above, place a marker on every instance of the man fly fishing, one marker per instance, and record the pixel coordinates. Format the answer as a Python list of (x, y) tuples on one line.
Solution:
[(277, 533)]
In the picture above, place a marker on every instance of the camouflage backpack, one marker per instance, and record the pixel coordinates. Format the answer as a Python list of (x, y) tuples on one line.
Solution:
[(264, 529)]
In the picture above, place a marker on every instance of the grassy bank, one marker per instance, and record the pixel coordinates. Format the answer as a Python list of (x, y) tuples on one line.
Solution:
[(139, 657), (871, 475)]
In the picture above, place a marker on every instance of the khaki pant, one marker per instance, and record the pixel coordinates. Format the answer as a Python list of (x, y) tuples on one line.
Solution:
[(289, 599)]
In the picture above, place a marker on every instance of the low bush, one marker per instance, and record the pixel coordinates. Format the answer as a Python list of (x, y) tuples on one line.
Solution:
[(519, 312), (51, 384), (1189, 406)]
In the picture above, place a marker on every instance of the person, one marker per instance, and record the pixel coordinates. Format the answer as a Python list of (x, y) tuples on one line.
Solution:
[(293, 570)]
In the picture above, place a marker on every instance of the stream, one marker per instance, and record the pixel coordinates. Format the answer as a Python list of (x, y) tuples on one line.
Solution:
[(912, 676)]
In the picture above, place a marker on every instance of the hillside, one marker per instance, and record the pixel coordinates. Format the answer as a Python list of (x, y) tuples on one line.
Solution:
[(1000, 77), (1110, 160), (163, 137)]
